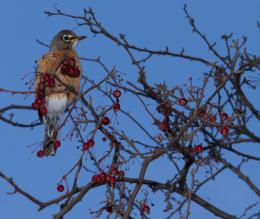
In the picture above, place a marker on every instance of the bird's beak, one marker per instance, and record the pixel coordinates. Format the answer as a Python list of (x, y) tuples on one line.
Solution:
[(77, 38), (80, 38)]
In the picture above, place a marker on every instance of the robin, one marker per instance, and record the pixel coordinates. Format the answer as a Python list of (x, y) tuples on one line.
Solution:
[(56, 85)]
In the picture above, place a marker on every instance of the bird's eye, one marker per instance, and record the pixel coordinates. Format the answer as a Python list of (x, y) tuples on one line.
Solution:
[(65, 38)]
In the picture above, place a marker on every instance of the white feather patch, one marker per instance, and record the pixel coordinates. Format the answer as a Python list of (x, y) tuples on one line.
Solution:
[(74, 44), (56, 104)]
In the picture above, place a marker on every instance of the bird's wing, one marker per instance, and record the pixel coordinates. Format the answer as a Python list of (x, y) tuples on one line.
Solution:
[(51, 63)]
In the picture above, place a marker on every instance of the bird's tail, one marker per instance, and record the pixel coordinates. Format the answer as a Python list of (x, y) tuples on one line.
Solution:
[(51, 123), (56, 105), (49, 144)]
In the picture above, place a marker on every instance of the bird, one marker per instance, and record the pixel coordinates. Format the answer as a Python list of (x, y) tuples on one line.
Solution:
[(57, 82)]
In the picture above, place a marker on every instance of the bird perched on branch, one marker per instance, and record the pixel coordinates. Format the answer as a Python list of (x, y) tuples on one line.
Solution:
[(57, 82)]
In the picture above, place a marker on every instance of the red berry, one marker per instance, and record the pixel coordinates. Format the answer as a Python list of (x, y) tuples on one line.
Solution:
[(163, 126), (114, 171), (182, 101), (38, 101), (40, 153), (198, 148), (102, 176), (91, 142), (105, 121), (109, 208), (117, 93), (108, 178), (71, 71), (60, 188), (96, 178), (93, 178), (57, 144), (76, 73), (224, 130), (224, 116), (147, 209), (35, 105), (88, 144), (212, 118), (116, 106), (121, 173), (46, 77), (41, 94), (144, 208), (43, 111), (85, 147), (112, 180), (65, 69), (202, 112), (41, 86), (51, 82)]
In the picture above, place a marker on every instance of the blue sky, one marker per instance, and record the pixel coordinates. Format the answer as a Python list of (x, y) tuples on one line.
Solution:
[(150, 23)]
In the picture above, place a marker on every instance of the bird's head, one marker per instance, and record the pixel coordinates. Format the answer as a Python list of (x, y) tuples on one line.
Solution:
[(65, 39)]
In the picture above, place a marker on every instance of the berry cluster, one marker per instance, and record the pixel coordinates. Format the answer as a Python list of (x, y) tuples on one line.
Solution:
[(116, 94), (87, 145), (68, 67), (109, 177), (224, 130), (41, 153), (46, 81), (116, 106), (224, 119)]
